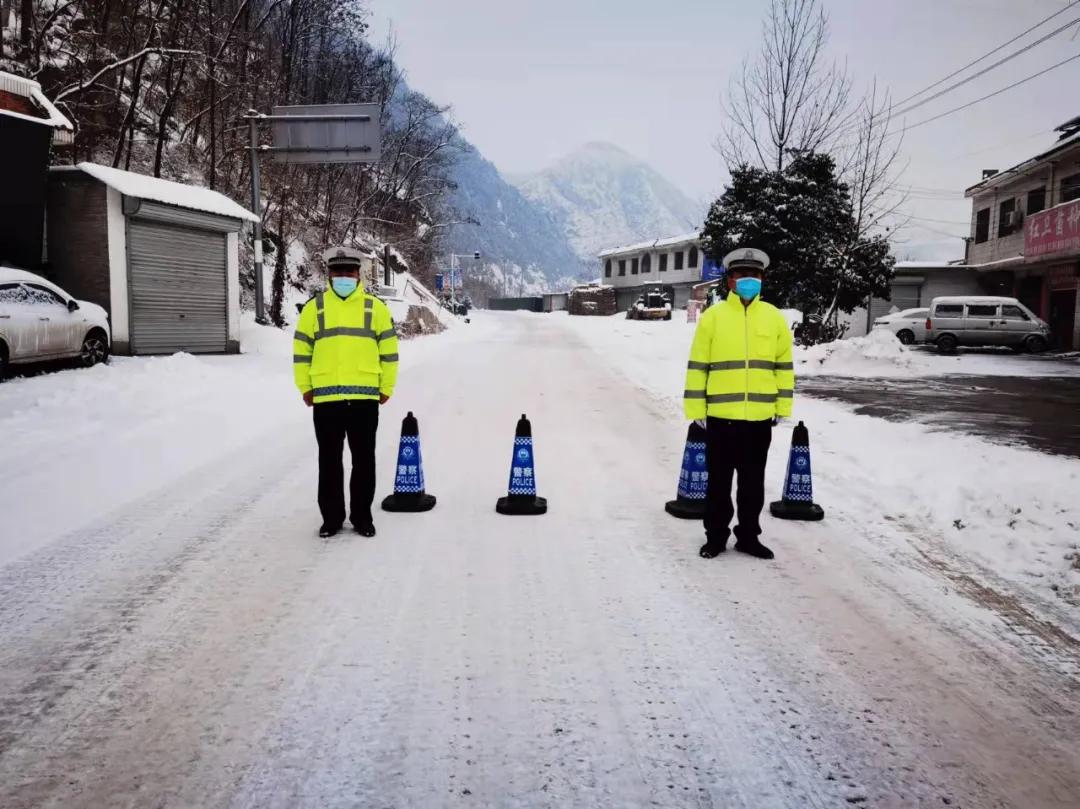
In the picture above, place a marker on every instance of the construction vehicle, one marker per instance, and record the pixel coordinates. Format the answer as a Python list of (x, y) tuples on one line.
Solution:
[(653, 304)]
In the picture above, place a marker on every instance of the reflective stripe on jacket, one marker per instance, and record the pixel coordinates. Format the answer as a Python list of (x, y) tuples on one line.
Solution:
[(740, 363), (345, 349)]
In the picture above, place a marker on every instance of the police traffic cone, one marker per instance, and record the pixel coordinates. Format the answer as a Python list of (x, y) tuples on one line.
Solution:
[(798, 502), (521, 498), (409, 494), (693, 479)]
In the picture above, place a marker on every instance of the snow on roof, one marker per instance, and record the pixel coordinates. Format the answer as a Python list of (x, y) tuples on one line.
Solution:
[(41, 111), (1001, 262), (672, 241), (155, 189), (929, 265)]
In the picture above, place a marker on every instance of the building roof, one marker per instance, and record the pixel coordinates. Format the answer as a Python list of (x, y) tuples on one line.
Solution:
[(930, 265), (1020, 168), (653, 244), (23, 99), (181, 195)]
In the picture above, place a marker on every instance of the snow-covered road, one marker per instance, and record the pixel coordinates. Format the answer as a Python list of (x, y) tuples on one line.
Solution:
[(194, 644)]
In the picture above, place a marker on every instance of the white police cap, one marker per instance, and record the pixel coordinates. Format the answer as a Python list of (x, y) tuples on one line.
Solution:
[(746, 258), (344, 258)]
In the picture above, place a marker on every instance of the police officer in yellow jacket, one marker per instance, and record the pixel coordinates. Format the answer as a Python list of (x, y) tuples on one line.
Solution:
[(739, 381), (345, 362)]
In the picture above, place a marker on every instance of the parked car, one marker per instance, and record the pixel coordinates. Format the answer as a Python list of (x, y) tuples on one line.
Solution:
[(909, 326), (985, 321), (39, 322)]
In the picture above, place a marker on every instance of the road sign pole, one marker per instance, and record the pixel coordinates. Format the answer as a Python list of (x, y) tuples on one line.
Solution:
[(256, 208)]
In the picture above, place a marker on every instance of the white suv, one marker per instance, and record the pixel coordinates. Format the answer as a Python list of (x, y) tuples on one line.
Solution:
[(39, 322)]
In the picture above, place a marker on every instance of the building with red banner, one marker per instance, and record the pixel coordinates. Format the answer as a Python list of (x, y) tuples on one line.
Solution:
[(1025, 234)]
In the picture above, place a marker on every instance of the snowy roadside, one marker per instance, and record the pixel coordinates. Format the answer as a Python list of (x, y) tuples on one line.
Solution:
[(1012, 512), (78, 444)]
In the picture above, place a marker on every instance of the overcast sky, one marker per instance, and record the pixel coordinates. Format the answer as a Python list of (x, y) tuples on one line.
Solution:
[(531, 80)]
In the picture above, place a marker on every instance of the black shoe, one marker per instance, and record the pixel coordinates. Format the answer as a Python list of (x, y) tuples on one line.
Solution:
[(366, 530), (711, 550), (328, 530), (754, 548)]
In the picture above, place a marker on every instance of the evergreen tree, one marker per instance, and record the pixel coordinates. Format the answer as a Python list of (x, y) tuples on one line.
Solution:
[(802, 216)]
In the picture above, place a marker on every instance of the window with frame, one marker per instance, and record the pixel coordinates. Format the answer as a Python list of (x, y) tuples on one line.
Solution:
[(692, 259), (622, 266), (43, 295), (679, 260), (663, 262), (1014, 313), (1070, 188), (13, 293), (949, 310), (982, 310), (1005, 218), (607, 268), (633, 266), (982, 226), (646, 263), (1036, 200)]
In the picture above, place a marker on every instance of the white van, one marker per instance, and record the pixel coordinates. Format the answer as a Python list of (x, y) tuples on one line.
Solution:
[(980, 320)]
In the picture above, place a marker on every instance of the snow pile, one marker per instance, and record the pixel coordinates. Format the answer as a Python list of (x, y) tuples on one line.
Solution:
[(879, 353)]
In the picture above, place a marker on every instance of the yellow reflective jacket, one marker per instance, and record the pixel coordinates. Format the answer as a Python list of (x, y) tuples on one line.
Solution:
[(345, 349), (740, 363)]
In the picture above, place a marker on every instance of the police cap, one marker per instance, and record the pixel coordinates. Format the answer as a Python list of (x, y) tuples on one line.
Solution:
[(343, 258), (746, 258)]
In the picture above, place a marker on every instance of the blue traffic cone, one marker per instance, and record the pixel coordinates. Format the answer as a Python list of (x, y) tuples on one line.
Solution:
[(798, 502), (521, 498), (409, 494), (689, 504)]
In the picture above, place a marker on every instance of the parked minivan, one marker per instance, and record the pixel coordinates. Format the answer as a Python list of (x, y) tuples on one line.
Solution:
[(974, 320)]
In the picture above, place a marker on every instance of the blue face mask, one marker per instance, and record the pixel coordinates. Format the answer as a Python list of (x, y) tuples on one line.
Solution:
[(748, 288), (344, 286)]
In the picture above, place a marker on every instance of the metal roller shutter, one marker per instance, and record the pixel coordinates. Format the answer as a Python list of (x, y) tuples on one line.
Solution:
[(904, 296), (178, 289)]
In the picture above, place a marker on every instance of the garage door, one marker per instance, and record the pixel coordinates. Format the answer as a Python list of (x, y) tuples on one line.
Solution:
[(178, 284), (904, 296)]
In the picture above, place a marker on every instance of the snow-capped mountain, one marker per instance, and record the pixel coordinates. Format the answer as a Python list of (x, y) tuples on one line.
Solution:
[(518, 240), (603, 197)]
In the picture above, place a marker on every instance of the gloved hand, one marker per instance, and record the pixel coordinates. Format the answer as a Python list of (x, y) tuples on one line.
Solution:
[(779, 419)]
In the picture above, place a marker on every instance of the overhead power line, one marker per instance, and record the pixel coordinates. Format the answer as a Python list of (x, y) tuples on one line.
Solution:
[(938, 221), (918, 226), (988, 53), (986, 70), (995, 93)]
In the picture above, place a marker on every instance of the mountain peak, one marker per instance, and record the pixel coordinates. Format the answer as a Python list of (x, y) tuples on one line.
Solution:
[(602, 196), (597, 151)]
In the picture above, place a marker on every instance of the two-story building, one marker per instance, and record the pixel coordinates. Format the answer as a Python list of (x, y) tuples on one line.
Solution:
[(675, 263), (1025, 234)]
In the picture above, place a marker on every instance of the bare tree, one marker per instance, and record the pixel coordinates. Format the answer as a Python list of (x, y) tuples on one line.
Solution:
[(788, 97), (872, 165), (791, 98)]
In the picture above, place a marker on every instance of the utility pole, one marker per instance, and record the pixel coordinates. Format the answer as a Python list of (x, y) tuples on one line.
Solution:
[(256, 208)]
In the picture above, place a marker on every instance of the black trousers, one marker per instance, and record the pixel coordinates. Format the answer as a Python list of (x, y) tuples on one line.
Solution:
[(356, 419), (730, 447)]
